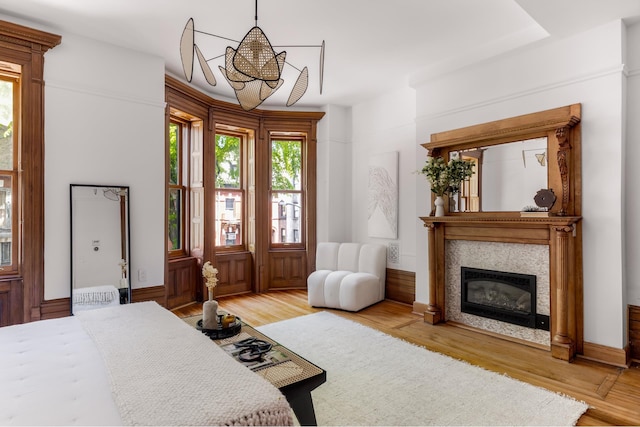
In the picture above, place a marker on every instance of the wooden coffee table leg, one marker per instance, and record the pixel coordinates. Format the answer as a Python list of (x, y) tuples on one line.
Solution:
[(302, 406)]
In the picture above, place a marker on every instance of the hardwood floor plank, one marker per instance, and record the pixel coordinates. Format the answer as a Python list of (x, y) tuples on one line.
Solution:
[(613, 393)]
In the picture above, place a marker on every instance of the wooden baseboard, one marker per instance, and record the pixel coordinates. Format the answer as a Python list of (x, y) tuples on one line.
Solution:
[(152, 293), (609, 355), (55, 308), (419, 307)]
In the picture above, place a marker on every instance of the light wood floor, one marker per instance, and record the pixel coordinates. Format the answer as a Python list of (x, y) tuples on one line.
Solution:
[(613, 393)]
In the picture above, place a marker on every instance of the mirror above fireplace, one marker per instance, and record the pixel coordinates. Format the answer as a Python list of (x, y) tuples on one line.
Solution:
[(549, 139)]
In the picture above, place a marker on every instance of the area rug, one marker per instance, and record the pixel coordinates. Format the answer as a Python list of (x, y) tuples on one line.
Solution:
[(376, 379)]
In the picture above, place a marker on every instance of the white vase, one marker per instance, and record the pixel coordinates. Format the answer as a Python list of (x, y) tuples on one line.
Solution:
[(439, 203), (210, 314)]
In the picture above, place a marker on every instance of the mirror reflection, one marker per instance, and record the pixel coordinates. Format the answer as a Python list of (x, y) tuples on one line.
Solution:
[(99, 246), (507, 176)]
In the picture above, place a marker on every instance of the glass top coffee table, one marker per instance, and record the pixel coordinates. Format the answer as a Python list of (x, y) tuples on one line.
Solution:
[(295, 377)]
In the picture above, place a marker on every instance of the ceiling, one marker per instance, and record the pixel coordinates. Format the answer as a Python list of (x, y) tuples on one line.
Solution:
[(372, 46)]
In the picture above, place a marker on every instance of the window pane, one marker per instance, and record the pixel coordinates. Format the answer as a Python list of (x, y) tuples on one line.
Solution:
[(6, 214), (227, 161), (286, 165), (174, 153), (286, 211), (228, 218), (6, 125), (175, 219)]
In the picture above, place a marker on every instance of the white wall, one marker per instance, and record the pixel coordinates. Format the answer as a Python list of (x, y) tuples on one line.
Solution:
[(104, 121), (584, 69), (386, 124), (632, 171), (334, 175)]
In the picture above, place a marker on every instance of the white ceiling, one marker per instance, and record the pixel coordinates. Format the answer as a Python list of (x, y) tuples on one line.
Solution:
[(371, 45)]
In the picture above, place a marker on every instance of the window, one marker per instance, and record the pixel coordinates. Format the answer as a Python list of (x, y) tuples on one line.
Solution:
[(177, 190), (9, 93), (230, 193), (22, 62), (287, 188)]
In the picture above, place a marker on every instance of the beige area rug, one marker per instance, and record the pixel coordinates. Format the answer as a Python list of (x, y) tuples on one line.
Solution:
[(376, 379)]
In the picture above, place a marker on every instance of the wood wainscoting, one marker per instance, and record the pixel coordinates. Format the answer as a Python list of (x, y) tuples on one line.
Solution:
[(182, 281), (234, 274), (11, 301), (634, 332), (400, 286)]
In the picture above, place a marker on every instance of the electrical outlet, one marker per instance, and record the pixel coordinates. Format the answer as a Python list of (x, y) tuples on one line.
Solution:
[(142, 275), (393, 253)]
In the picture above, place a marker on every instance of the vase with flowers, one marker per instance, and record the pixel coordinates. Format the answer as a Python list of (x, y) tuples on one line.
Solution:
[(446, 177), (210, 307)]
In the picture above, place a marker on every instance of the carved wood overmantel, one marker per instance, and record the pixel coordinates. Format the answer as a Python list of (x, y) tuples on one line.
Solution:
[(561, 231)]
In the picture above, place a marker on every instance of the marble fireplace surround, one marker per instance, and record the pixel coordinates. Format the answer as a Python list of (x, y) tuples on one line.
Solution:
[(504, 257), (557, 235)]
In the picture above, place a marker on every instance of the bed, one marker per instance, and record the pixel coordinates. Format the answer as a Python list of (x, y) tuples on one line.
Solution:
[(133, 364)]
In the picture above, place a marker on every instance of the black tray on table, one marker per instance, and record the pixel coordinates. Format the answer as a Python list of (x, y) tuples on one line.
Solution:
[(220, 332)]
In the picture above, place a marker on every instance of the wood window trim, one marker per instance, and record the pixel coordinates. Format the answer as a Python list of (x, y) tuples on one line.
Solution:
[(245, 138), (181, 96), (300, 137), (12, 174), (183, 146), (26, 47)]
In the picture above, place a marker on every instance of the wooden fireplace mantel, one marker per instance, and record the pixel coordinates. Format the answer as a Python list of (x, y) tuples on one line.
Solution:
[(560, 233)]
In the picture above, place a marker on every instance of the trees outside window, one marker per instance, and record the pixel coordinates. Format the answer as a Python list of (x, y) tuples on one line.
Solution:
[(9, 91), (177, 190), (230, 193), (287, 193)]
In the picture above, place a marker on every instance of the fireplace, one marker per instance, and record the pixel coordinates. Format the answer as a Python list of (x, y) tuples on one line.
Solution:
[(503, 296)]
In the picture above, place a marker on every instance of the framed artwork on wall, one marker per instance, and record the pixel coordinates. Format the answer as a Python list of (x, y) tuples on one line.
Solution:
[(382, 198)]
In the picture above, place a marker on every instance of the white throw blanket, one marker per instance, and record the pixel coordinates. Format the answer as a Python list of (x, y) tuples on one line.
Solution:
[(164, 372), (96, 295)]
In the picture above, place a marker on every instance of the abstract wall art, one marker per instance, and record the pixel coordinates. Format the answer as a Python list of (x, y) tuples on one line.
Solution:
[(382, 208)]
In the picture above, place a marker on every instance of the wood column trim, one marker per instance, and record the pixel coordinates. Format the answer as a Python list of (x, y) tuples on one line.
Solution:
[(562, 346), (434, 312)]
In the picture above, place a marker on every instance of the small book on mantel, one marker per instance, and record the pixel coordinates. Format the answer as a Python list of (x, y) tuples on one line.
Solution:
[(539, 214)]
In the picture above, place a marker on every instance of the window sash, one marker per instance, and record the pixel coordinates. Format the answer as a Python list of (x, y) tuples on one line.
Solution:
[(230, 198), (287, 193), (10, 200), (176, 214), (8, 223), (229, 223)]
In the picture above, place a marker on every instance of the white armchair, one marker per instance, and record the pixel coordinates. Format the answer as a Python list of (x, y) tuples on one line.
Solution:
[(348, 276)]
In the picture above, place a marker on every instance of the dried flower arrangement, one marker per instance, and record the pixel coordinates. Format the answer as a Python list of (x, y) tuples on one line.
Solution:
[(209, 273)]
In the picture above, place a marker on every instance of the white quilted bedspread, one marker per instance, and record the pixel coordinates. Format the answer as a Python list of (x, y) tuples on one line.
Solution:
[(135, 364)]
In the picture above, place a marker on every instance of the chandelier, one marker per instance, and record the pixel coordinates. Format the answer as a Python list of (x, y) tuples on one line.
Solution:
[(253, 69)]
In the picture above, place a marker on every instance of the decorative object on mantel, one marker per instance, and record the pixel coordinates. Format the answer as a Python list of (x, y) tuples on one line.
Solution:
[(445, 178), (544, 200), (210, 307), (253, 70)]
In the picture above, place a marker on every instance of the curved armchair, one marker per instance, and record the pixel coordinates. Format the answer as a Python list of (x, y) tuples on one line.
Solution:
[(348, 276)]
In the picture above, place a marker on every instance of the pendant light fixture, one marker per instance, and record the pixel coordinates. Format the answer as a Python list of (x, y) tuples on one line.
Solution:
[(253, 69)]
